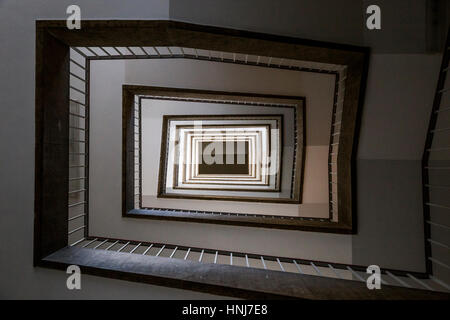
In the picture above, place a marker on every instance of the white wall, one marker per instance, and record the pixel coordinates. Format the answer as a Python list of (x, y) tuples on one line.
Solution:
[(399, 97), (336, 21), (397, 105)]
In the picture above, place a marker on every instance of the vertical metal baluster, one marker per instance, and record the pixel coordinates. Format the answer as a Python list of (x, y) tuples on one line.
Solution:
[(77, 242), (87, 244), (103, 242), (264, 264), (173, 252), (112, 245), (355, 274), (420, 282), (281, 266), (398, 280), (124, 246), (440, 282), (298, 267), (146, 250), (160, 250), (134, 249), (334, 270), (315, 268), (187, 253)]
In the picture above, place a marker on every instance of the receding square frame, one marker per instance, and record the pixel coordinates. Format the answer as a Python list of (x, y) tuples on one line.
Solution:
[(244, 170), (249, 138), (53, 42), (197, 144), (296, 104), (272, 126)]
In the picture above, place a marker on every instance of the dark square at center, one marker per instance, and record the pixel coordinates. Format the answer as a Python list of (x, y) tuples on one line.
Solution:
[(219, 152)]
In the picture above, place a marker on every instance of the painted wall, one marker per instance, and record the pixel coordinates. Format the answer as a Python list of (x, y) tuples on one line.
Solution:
[(400, 91)]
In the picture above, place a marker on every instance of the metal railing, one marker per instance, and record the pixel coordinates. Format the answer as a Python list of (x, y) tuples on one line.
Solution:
[(78, 197), (333, 150), (137, 153), (436, 178), (80, 57), (250, 260)]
